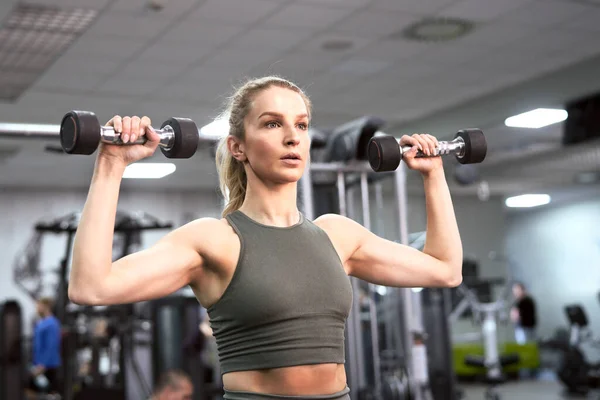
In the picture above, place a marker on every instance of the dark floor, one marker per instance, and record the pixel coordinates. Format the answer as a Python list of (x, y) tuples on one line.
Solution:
[(544, 388)]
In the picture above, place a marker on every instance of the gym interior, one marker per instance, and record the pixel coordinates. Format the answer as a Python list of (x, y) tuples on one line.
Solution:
[(510, 87)]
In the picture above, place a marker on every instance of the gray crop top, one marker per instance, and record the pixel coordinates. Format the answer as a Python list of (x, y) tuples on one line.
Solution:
[(287, 302)]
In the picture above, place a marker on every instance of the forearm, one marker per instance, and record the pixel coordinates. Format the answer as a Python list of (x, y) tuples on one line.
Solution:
[(443, 238), (92, 246)]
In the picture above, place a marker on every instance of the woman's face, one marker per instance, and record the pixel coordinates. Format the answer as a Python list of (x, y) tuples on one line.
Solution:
[(276, 144)]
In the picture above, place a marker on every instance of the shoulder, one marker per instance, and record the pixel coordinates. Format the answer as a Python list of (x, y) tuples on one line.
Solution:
[(202, 230), (337, 224), (345, 233)]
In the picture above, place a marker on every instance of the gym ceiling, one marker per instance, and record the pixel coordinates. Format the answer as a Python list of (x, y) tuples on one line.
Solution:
[(163, 58)]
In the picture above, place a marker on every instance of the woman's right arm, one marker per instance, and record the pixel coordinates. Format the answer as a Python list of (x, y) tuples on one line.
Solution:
[(156, 272)]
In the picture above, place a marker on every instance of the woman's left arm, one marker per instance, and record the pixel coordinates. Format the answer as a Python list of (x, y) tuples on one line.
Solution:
[(383, 262)]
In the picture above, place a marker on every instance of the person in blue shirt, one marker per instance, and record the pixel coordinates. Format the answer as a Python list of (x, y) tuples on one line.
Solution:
[(46, 349)]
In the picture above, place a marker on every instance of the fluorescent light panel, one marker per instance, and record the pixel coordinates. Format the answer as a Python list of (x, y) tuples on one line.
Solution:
[(537, 118), (217, 129), (148, 170), (527, 200)]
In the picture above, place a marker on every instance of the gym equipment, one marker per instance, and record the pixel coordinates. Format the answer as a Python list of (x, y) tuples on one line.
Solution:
[(403, 326), (469, 147), (81, 133), (577, 373), (11, 353), (488, 314)]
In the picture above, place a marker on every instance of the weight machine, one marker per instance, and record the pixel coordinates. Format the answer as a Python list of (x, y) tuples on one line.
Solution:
[(487, 314), (116, 341), (341, 165)]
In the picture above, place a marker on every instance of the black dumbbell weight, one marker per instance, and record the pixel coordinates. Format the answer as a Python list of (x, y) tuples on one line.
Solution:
[(469, 147), (81, 133)]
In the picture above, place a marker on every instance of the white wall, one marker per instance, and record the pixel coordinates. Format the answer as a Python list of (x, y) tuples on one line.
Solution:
[(22, 209), (556, 253)]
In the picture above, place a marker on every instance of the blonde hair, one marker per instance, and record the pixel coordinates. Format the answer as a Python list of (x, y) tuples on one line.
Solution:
[(232, 175)]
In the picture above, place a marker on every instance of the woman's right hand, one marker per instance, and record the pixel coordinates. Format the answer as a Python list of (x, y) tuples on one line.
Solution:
[(130, 129)]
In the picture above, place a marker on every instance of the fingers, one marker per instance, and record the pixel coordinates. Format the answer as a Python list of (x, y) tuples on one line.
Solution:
[(116, 123), (426, 143), (147, 130), (132, 128), (135, 128), (431, 144), (126, 131)]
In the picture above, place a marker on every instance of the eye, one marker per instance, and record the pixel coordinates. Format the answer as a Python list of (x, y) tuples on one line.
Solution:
[(272, 124), (303, 126)]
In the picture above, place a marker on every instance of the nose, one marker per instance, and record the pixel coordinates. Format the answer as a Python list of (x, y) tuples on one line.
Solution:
[(292, 137)]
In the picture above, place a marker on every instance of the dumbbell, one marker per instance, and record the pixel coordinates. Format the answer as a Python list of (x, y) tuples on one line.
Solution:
[(469, 147), (81, 133)]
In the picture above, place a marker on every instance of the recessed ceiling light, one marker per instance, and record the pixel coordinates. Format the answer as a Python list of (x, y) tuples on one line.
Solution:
[(537, 118), (527, 200), (436, 29)]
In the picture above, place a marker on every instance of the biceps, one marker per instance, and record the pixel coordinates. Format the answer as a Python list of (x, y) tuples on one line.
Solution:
[(387, 263), (148, 274)]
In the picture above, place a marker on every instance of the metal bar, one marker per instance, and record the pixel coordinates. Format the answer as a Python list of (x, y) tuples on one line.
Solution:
[(356, 322), (406, 293), (31, 131), (366, 209), (353, 364), (48, 131), (341, 187), (379, 207), (341, 167), (307, 195)]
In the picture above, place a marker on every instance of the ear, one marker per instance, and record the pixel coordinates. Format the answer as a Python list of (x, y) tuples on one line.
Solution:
[(236, 148)]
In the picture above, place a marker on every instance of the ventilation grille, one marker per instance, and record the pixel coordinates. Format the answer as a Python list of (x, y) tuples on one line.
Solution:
[(31, 38)]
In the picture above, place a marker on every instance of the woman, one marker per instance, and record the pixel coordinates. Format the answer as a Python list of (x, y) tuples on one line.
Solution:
[(275, 285)]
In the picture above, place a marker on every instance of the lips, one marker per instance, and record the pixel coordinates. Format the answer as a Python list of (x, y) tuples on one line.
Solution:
[(291, 156)]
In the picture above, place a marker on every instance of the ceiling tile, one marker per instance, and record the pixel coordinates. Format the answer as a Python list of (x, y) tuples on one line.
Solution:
[(298, 60), (360, 67), (116, 49), (336, 3), (315, 44), (128, 26), (167, 52), (421, 7), (245, 12), (307, 16), (78, 81), (587, 21), (393, 50), (241, 58), (496, 34), (546, 13), (548, 41), (452, 54), (375, 24), (128, 86), (141, 8), (199, 35), (481, 10), (93, 4), (274, 39), (143, 70)]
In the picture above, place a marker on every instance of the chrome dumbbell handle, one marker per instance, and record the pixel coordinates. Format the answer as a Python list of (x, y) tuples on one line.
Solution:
[(456, 147), (167, 136)]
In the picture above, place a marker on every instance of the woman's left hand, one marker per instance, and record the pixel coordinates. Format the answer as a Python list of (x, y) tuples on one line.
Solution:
[(427, 144)]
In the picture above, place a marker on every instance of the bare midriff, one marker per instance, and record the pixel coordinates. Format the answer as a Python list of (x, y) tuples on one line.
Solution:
[(303, 380)]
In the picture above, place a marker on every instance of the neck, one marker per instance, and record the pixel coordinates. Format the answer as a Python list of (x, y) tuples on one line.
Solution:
[(271, 204)]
